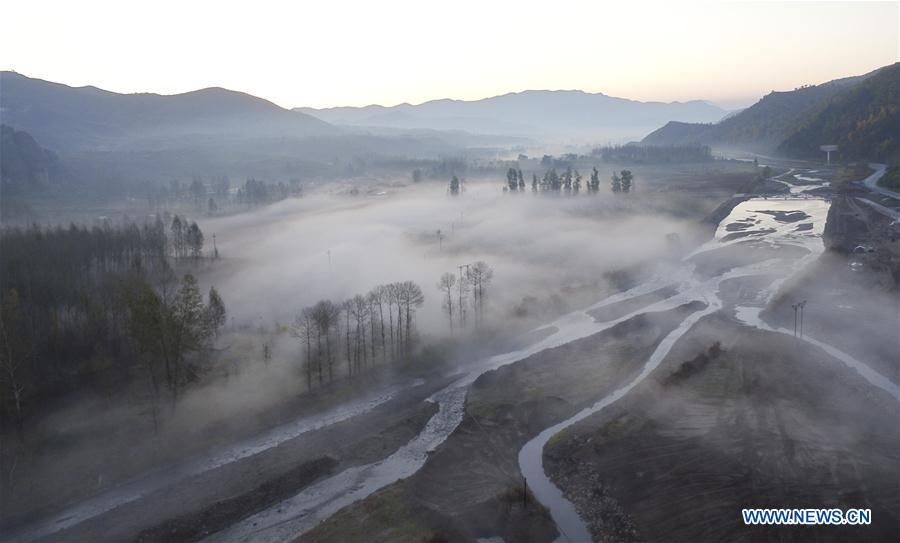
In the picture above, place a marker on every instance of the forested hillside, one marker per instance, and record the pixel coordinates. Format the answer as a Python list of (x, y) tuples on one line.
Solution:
[(857, 113), (863, 120)]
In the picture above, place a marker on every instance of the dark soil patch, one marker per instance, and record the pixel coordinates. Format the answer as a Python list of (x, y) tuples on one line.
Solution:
[(195, 526)]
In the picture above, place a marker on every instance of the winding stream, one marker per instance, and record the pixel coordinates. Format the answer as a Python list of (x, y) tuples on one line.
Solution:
[(771, 222), (292, 517), (297, 515)]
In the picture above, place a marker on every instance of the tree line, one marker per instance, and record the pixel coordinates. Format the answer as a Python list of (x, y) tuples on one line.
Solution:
[(216, 194), (569, 181), (79, 305), (358, 331), (654, 154)]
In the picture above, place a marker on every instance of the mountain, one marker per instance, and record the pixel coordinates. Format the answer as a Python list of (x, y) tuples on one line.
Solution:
[(25, 165), (792, 122), (86, 118), (864, 121), (563, 113)]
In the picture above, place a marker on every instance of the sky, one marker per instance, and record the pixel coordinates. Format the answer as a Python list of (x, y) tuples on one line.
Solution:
[(338, 52)]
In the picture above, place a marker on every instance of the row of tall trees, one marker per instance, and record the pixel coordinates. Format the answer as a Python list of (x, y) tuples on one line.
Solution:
[(359, 331), (79, 305), (569, 182), (459, 290)]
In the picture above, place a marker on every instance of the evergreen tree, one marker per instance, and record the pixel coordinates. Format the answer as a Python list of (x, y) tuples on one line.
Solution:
[(195, 240), (512, 179), (215, 314), (627, 180), (616, 183)]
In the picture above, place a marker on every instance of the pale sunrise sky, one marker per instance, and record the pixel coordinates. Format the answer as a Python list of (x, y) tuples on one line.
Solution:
[(337, 52)]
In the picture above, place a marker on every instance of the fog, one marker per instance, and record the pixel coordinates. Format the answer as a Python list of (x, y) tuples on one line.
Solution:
[(330, 245)]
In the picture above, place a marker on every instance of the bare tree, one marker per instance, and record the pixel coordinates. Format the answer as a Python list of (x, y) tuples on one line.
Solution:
[(347, 309), (379, 296), (303, 330), (481, 275), (389, 296), (325, 315), (412, 297), (445, 285), (360, 311), (396, 296)]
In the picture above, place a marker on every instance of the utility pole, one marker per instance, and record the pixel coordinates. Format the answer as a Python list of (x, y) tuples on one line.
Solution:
[(329, 258), (795, 307), (440, 236)]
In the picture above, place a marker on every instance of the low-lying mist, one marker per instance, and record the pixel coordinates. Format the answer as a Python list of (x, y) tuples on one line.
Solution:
[(290, 255)]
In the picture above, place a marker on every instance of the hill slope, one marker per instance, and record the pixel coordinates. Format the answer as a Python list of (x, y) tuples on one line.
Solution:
[(535, 112), (864, 121), (78, 118), (782, 117), (24, 164)]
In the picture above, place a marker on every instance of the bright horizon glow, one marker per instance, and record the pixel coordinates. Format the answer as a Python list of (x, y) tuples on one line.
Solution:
[(343, 53)]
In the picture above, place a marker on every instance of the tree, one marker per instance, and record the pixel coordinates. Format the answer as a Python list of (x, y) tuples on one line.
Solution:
[(378, 296), (627, 181), (325, 316), (445, 285), (552, 180), (412, 297), (303, 330), (359, 308), (521, 180), (194, 240), (347, 309), (211, 206), (567, 179), (454, 186), (616, 183), (512, 179), (178, 236), (215, 315), (462, 289), (389, 296), (534, 182), (416, 175), (576, 185), (14, 353), (481, 275)]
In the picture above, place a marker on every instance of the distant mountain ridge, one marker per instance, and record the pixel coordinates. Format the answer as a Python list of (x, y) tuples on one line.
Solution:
[(794, 122), (528, 113), (83, 118)]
